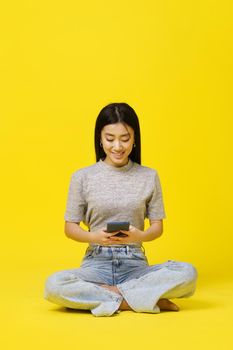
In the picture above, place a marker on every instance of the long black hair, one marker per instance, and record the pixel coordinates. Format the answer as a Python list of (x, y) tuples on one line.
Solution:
[(118, 113)]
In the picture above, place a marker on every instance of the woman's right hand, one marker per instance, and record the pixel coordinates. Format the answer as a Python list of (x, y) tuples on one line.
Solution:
[(102, 237)]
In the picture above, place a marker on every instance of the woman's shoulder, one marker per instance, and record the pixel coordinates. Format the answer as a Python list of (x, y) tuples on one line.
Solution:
[(83, 171), (144, 169)]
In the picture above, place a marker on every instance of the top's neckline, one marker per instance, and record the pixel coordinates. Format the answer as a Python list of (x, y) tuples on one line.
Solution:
[(123, 168)]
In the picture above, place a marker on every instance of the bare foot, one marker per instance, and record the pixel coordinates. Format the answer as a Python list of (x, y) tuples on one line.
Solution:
[(166, 304), (124, 305)]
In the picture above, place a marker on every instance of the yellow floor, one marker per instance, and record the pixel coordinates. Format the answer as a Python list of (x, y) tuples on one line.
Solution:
[(28, 321)]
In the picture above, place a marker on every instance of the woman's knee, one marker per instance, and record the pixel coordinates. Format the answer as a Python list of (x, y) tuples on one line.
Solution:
[(55, 282), (188, 269), (51, 285)]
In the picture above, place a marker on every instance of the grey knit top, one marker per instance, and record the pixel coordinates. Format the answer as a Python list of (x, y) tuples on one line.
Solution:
[(101, 192)]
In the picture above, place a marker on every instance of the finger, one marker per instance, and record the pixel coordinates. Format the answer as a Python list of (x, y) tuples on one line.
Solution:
[(113, 238), (116, 239), (107, 235), (127, 232)]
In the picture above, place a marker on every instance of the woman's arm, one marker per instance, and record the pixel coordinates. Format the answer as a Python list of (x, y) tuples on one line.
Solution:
[(154, 231), (75, 232)]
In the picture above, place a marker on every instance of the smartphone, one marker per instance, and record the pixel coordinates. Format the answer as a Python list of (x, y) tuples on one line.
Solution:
[(113, 226)]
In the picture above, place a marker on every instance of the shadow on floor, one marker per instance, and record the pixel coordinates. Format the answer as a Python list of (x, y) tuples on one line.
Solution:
[(195, 304), (184, 304)]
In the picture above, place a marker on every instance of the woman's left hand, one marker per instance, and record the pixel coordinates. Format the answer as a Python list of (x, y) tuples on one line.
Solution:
[(133, 235)]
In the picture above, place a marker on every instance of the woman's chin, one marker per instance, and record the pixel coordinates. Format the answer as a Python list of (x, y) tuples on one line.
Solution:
[(119, 161)]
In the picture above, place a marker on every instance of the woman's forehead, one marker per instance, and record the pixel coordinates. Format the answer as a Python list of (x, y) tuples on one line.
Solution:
[(117, 129)]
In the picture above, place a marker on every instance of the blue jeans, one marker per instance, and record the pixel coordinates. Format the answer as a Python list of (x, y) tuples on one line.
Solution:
[(126, 267)]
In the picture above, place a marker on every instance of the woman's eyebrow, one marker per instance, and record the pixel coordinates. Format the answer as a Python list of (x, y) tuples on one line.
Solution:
[(108, 134)]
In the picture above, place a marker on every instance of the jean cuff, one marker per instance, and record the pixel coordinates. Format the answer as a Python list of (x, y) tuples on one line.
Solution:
[(138, 301), (108, 308)]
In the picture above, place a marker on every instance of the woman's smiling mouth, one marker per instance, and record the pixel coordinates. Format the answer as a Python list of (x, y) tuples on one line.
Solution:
[(118, 155)]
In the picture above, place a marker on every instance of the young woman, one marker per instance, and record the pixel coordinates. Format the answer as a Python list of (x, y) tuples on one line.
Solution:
[(114, 274)]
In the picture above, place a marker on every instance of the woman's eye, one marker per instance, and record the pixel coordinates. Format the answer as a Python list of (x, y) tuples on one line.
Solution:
[(113, 140)]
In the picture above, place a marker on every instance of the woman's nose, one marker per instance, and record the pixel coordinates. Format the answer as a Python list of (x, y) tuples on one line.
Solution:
[(117, 145)]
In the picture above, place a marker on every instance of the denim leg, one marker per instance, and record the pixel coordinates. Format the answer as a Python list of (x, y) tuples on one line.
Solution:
[(66, 288), (172, 279)]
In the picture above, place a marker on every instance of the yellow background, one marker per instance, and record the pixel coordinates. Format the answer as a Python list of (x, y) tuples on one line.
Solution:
[(60, 63)]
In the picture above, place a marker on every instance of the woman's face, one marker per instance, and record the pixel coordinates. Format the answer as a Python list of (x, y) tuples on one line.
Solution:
[(117, 140)]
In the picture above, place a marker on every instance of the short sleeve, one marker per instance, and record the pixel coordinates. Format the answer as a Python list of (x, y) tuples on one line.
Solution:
[(155, 207), (76, 204)]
